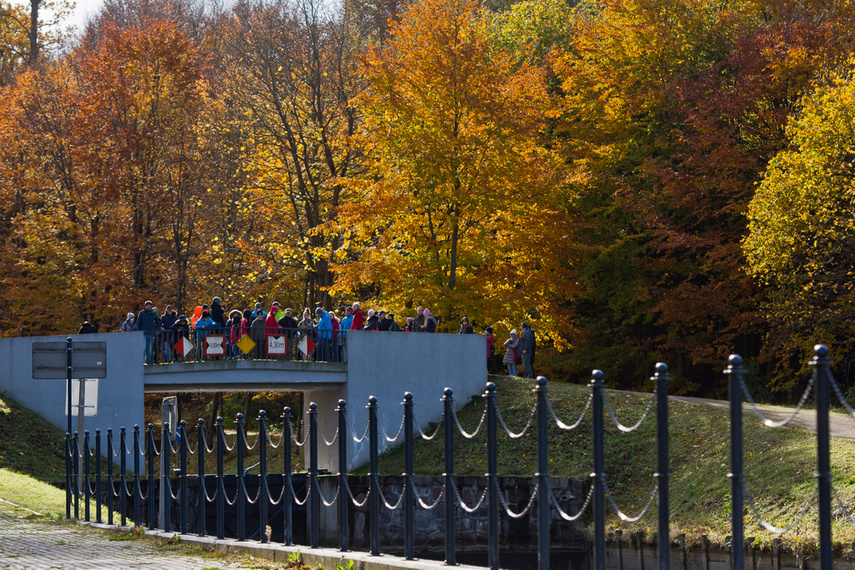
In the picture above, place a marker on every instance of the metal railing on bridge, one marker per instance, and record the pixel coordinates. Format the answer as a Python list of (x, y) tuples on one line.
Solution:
[(275, 488), (245, 343)]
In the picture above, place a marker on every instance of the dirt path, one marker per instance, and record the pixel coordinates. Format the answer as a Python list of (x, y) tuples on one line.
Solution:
[(840, 424)]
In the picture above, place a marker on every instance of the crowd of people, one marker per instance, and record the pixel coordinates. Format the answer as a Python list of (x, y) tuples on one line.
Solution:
[(326, 331)]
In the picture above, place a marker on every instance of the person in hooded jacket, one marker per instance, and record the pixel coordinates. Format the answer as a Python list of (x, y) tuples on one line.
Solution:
[(167, 319), (203, 327), (324, 334), (130, 323), (257, 333), (181, 328), (271, 327), (233, 332), (289, 326), (149, 323), (358, 321), (510, 359), (218, 313), (430, 322)]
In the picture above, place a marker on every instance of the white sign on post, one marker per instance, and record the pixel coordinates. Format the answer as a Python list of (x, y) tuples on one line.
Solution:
[(276, 345), (90, 397), (216, 345)]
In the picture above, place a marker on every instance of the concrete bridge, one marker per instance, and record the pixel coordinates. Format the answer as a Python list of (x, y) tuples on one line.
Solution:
[(380, 364)]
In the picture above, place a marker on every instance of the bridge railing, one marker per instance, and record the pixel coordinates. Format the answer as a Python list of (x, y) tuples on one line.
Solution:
[(245, 343), (277, 492)]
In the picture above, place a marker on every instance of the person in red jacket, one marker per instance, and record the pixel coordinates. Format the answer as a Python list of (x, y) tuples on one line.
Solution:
[(358, 319)]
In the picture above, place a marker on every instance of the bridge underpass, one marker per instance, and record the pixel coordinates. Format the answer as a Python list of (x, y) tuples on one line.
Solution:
[(380, 364)]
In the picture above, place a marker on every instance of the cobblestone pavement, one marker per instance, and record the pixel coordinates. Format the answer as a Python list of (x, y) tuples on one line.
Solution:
[(32, 544)]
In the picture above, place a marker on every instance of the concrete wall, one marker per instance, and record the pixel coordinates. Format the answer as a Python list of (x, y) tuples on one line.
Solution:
[(120, 394), (388, 364)]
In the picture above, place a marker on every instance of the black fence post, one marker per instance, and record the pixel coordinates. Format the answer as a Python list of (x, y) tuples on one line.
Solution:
[(663, 474), (314, 502), (165, 470), (75, 463), (263, 498), (240, 499), (598, 476), (735, 379), (201, 492), (221, 486), (112, 487), (342, 475), (288, 495), (87, 495), (374, 483), (542, 475), (182, 436), (98, 475), (448, 419), (821, 365), (150, 462), (137, 488), (409, 491), (68, 471), (492, 478)]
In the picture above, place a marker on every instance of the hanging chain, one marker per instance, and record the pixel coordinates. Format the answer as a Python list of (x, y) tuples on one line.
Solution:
[(522, 513), (329, 503), (617, 422), (400, 430), (627, 518), (511, 434), (477, 429), (463, 504), (574, 425), (327, 442), (386, 503), (772, 424), (561, 512), (765, 524), (353, 499), (419, 427)]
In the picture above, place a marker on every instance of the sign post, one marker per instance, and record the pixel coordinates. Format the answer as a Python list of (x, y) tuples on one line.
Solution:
[(55, 360)]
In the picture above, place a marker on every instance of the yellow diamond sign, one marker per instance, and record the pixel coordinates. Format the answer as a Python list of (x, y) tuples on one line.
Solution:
[(245, 344)]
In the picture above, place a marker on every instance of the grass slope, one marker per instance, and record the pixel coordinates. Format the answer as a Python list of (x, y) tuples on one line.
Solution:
[(779, 463), (29, 444)]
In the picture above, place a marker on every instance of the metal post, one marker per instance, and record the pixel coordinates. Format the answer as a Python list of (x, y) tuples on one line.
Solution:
[(342, 475), (87, 495), (374, 483), (448, 420), (76, 461), (201, 492), (221, 487), (123, 477), (68, 478), (68, 370), (663, 474), (821, 365), (98, 475), (288, 498), (598, 475), (182, 435), (492, 478), (263, 498), (542, 475), (409, 492), (735, 378), (137, 488), (165, 467), (314, 508), (110, 455), (240, 443), (151, 522)]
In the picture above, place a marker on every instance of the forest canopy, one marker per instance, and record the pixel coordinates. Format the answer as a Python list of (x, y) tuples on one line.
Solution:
[(642, 180)]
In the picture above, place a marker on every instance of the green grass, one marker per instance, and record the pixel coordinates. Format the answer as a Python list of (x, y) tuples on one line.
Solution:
[(779, 463), (29, 444)]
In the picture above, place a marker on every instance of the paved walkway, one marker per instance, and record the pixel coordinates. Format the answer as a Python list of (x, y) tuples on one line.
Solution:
[(27, 543)]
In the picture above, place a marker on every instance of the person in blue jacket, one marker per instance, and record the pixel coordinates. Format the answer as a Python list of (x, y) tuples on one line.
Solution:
[(324, 334), (149, 323)]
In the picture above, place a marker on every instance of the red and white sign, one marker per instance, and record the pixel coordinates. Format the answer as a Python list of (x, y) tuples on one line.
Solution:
[(276, 344), (215, 345), (183, 346), (306, 345)]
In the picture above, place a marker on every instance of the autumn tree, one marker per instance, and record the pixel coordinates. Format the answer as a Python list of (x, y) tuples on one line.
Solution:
[(457, 207), (672, 110), (801, 243), (290, 69)]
